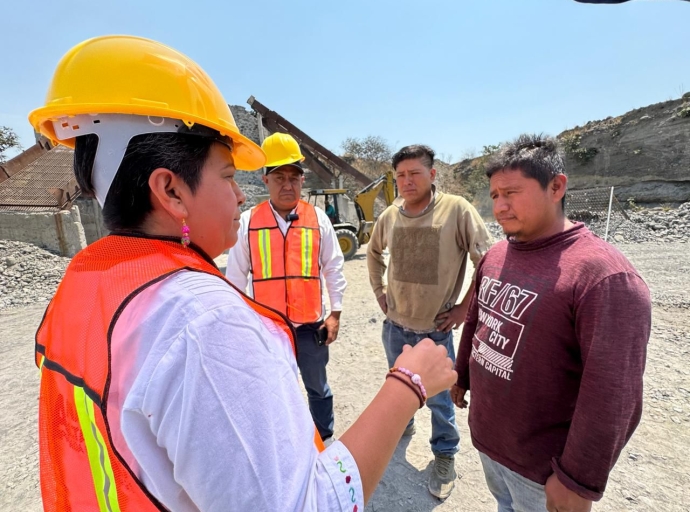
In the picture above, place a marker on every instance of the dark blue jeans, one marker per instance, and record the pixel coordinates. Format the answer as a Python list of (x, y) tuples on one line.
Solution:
[(312, 360), (445, 437)]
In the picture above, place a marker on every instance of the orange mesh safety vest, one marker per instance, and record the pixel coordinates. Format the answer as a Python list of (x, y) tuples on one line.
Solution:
[(79, 468), (286, 269)]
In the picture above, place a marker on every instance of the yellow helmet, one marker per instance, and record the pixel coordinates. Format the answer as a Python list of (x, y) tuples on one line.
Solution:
[(133, 75), (281, 149)]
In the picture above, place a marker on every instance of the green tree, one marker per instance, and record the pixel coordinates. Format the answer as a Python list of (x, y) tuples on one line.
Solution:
[(371, 148), (8, 140), (490, 149)]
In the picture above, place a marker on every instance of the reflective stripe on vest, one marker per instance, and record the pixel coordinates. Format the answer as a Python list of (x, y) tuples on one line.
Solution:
[(265, 253), (307, 247), (101, 470), (73, 353), (285, 269)]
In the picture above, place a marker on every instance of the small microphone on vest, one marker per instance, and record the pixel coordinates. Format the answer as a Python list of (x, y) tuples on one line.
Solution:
[(291, 216)]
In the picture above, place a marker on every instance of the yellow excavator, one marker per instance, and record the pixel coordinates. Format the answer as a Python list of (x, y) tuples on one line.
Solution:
[(351, 236)]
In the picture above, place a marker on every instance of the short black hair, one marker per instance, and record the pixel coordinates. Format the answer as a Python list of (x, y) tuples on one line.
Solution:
[(424, 153), (536, 156), (128, 201)]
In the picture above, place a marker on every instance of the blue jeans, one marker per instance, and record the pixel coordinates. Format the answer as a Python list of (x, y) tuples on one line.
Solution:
[(445, 437), (312, 359), (513, 492)]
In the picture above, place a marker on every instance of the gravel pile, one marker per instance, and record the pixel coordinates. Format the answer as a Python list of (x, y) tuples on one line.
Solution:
[(252, 192), (250, 182), (28, 273), (246, 122), (658, 224), (655, 225)]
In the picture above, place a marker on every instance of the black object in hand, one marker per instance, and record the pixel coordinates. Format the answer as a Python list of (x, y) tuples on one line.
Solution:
[(321, 336)]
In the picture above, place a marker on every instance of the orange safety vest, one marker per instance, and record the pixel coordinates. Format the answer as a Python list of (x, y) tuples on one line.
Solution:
[(79, 467), (286, 269)]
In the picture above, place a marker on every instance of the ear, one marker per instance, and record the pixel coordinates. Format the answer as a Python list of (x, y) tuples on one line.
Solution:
[(302, 179), (432, 171), (264, 178), (169, 192), (558, 186)]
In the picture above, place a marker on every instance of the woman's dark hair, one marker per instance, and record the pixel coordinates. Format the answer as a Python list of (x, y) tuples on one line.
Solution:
[(129, 201)]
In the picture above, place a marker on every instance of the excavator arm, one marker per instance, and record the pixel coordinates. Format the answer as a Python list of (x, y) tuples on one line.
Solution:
[(366, 197)]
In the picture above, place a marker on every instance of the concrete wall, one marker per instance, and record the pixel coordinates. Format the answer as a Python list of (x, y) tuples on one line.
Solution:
[(92, 219), (60, 232)]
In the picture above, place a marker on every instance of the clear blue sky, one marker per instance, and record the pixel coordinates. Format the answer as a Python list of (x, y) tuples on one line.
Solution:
[(455, 74)]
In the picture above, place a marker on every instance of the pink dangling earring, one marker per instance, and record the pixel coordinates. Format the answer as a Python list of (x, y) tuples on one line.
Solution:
[(185, 234)]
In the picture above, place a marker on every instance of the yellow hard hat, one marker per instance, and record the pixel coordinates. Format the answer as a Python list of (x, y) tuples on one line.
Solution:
[(281, 149), (133, 75)]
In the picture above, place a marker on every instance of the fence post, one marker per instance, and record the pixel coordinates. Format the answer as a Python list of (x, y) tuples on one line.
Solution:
[(608, 217)]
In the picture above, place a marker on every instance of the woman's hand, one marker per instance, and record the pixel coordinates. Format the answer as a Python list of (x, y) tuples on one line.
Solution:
[(431, 362)]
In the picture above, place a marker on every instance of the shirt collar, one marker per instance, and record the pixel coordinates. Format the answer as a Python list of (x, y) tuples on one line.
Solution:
[(275, 213), (431, 202)]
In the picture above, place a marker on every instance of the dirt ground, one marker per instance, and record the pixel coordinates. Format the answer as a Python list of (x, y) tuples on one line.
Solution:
[(652, 474)]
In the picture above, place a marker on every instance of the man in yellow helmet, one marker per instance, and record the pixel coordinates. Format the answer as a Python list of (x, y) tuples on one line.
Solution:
[(286, 250)]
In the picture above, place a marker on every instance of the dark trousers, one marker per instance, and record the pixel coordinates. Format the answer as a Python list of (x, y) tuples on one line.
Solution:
[(312, 360)]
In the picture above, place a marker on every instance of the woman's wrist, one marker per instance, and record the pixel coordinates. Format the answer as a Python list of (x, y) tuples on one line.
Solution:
[(404, 390), (407, 381), (415, 379)]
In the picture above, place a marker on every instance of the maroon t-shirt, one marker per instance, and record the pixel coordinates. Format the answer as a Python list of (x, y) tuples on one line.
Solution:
[(553, 351)]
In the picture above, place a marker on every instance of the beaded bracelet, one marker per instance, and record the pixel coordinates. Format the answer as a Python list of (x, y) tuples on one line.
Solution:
[(415, 378), (414, 388)]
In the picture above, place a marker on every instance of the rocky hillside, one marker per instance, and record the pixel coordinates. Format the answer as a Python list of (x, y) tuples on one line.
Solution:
[(645, 154)]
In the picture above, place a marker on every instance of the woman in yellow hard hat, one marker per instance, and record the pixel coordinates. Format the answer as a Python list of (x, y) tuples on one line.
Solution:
[(162, 386)]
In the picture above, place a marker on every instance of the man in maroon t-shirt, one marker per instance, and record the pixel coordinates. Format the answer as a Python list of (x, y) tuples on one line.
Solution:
[(554, 344)]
